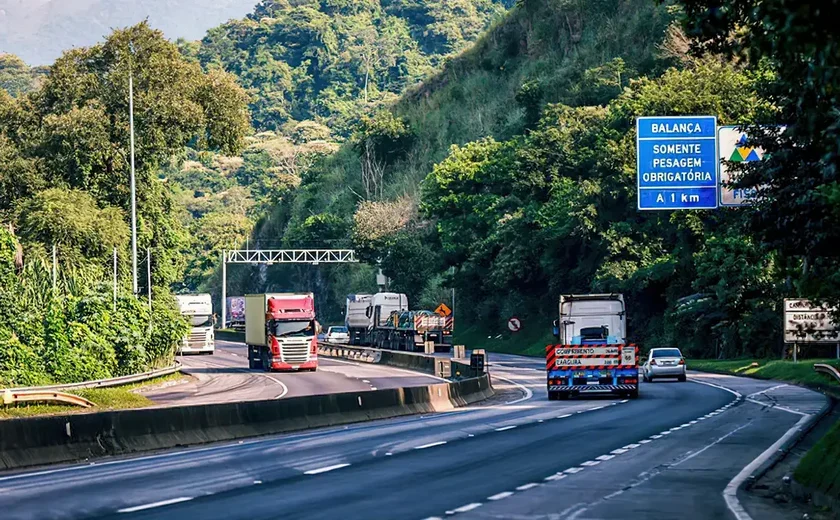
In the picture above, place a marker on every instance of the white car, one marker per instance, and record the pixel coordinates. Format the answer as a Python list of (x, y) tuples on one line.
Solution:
[(337, 335), (664, 362)]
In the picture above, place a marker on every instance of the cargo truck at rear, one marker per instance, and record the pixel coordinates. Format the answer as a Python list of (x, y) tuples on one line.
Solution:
[(382, 320), (592, 356), (281, 331), (198, 309)]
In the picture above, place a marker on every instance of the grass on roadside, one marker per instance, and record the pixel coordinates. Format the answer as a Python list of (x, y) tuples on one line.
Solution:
[(820, 468), (530, 341), (113, 398), (802, 372)]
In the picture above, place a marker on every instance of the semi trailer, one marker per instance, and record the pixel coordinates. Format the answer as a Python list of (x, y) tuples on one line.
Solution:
[(383, 320)]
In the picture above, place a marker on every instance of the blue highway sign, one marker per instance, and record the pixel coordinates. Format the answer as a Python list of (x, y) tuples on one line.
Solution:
[(677, 162)]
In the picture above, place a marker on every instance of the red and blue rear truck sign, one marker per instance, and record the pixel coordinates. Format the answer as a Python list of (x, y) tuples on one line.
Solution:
[(591, 369)]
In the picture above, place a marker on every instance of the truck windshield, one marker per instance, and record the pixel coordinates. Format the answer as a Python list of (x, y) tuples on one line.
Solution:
[(201, 320), (594, 333), (292, 328)]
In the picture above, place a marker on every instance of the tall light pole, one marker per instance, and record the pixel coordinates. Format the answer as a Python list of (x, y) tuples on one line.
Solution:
[(133, 181)]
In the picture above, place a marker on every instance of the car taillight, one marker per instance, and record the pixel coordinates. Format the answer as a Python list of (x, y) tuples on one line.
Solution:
[(630, 381), (682, 361)]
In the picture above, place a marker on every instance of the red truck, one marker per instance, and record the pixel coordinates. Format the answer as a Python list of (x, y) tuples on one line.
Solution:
[(281, 331)]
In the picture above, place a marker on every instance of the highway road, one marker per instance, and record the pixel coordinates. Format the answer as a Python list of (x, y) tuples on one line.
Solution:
[(225, 377), (679, 451)]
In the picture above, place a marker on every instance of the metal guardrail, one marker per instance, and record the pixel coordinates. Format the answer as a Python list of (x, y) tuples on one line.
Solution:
[(827, 369), (102, 383), (44, 396)]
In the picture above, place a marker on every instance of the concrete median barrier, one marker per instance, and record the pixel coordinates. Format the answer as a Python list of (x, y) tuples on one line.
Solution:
[(47, 440), (408, 360), (230, 335)]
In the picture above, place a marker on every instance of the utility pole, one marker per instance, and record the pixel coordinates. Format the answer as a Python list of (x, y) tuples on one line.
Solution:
[(224, 289), (133, 181), (54, 269), (115, 279), (149, 274)]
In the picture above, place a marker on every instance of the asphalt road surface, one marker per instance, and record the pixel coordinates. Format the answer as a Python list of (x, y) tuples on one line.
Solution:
[(225, 377), (678, 451)]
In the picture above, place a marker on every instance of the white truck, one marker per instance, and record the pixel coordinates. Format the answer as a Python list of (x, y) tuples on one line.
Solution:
[(366, 314), (599, 317), (355, 317), (592, 355), (199, 309)]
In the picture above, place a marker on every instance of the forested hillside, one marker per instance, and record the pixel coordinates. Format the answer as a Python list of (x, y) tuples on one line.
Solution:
[(537, 196), (575, 52), (332, 60), (64, 187)]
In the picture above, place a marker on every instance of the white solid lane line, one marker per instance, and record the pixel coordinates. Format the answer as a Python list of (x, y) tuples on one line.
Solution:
[(564, 416), (430, 445), (464, 509), (526, 487), (326, 469), (499, 496), (155, 504), (528, 393), (505, 428)]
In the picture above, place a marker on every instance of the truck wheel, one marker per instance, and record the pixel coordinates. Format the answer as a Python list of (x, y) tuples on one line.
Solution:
[(634, 394), (253, 363), (682, 379), (266, 361), (552, 396)]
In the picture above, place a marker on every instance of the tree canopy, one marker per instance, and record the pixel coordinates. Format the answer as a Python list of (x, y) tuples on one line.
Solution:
[(330, 60)]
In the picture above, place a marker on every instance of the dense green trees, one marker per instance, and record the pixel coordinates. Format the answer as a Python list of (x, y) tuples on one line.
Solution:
[(555, 211), (64, 173), (797, 48), (331, 60), (16, 77)]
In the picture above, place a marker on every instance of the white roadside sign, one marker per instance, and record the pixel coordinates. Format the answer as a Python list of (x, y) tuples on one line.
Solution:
[(733, 148), (806, 322)]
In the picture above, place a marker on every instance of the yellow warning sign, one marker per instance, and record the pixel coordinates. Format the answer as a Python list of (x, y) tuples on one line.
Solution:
[(443, 310)]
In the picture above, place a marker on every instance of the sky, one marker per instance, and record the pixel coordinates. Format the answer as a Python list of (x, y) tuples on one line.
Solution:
[(40, 30)]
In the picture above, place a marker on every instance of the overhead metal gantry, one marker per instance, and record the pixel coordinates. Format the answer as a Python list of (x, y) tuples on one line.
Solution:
[(280, 256)]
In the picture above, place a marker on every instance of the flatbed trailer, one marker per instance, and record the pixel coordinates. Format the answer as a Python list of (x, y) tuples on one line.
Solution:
[(411, 330)]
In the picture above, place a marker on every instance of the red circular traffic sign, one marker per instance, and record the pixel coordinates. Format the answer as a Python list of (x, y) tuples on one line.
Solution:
[(514, 324)]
